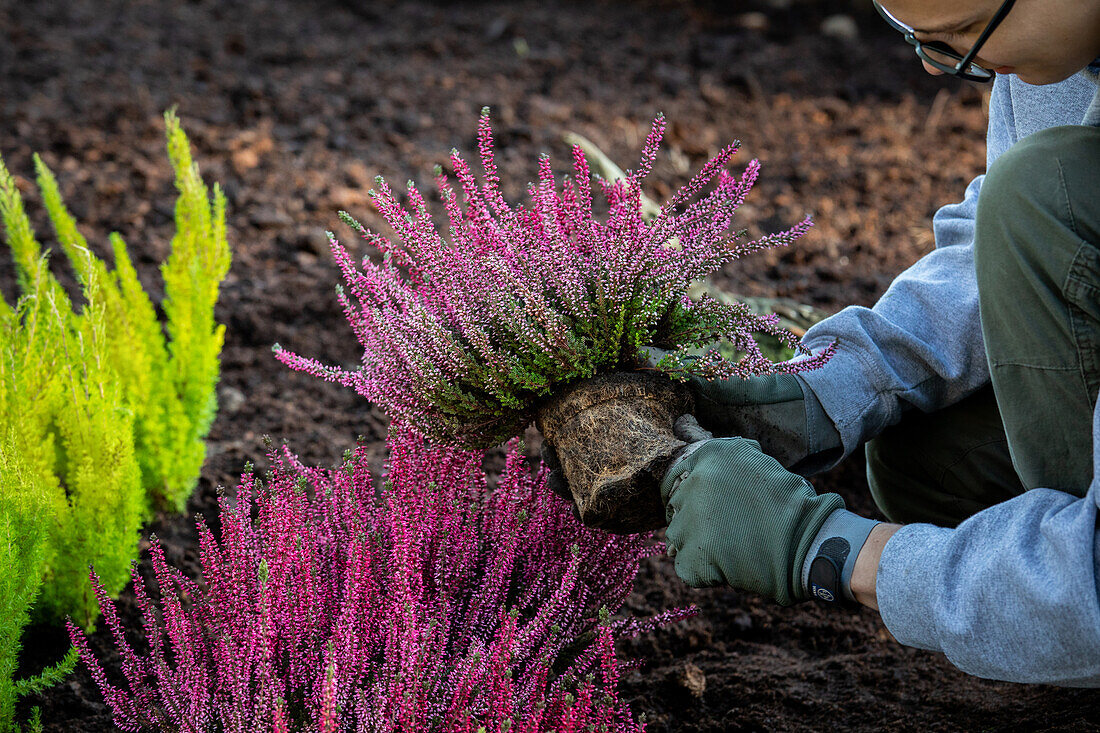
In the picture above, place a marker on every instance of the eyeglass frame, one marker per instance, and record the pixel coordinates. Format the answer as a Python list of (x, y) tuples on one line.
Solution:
[(965, 62)]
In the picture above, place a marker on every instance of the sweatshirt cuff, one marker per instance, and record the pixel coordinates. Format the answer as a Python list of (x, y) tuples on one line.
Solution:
[(908, 584), (849, 401)]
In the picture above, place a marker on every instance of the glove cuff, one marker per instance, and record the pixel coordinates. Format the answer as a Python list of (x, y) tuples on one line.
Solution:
[(828, 566)]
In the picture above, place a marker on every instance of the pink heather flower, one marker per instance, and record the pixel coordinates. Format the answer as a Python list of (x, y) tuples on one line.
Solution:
[(434, 604), (463, 336)]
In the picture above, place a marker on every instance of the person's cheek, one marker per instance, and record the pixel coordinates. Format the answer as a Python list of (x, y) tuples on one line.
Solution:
[(930, 68)]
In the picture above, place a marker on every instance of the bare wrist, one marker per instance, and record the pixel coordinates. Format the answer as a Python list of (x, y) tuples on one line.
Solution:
[(866, 568)]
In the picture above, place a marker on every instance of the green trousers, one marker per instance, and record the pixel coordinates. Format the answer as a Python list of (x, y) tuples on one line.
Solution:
[(1037, 258)]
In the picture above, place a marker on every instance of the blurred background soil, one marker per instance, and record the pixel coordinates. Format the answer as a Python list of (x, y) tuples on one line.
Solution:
[(296, 107)]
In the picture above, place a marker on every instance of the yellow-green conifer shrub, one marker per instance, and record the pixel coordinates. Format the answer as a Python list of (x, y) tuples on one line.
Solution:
[(108, 407), (198, 263), (99, 516), (24, 540), (71, 436), (54, 497), (103, 411), (167, 381)]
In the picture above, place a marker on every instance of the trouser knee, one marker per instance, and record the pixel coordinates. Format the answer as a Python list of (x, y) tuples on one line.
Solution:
[(1037, 264), (1047, 181)]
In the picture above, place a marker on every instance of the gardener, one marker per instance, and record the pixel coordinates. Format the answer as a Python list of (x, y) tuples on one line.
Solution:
[(973, 382)]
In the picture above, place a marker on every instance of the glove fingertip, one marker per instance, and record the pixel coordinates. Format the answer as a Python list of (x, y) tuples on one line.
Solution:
[(549, 456), (688, 429), (557, 484), (755, 443)]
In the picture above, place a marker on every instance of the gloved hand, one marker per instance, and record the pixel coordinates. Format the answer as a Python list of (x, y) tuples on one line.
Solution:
[(778, 410), (555, 480), (736, 516)]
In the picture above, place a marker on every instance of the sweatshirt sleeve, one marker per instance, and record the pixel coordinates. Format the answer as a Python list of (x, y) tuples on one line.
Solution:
[(1012, 593), (921, 344)]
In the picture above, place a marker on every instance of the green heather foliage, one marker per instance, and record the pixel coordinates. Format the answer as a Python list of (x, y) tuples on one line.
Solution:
[(103, 411)]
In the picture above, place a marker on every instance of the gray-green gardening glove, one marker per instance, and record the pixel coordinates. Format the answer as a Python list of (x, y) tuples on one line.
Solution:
[(737, 517), (555, 478), (779, 411)]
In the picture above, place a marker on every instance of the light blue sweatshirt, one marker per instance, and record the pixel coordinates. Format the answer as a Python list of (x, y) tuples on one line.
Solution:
[(1013, 593)]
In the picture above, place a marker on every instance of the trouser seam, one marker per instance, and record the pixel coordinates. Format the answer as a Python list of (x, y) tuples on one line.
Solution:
[(1077, 286), (1072, 220), (995, 364)]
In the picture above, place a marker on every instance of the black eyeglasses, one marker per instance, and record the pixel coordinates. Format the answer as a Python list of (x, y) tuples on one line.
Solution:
[(943, 57)]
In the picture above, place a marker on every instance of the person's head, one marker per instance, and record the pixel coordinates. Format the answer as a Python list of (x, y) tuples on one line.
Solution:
[(1041, 41)]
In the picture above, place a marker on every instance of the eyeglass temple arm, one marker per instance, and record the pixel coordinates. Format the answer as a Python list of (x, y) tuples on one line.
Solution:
[(989, 28)]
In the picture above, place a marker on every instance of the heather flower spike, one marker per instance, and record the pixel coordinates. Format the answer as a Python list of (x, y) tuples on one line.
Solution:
[(464, 336)]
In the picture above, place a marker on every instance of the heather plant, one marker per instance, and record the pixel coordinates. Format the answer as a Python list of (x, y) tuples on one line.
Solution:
[(465, 335), (433, 604), (167, 373)]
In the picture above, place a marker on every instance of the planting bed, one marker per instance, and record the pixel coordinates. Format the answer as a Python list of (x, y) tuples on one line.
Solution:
[(295, 107)]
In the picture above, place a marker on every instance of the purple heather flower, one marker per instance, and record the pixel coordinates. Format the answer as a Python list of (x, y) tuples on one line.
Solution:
[(463, 336), (433, 603)]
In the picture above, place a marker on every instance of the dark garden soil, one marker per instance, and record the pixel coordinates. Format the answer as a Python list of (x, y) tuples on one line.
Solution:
[(295, 107)]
